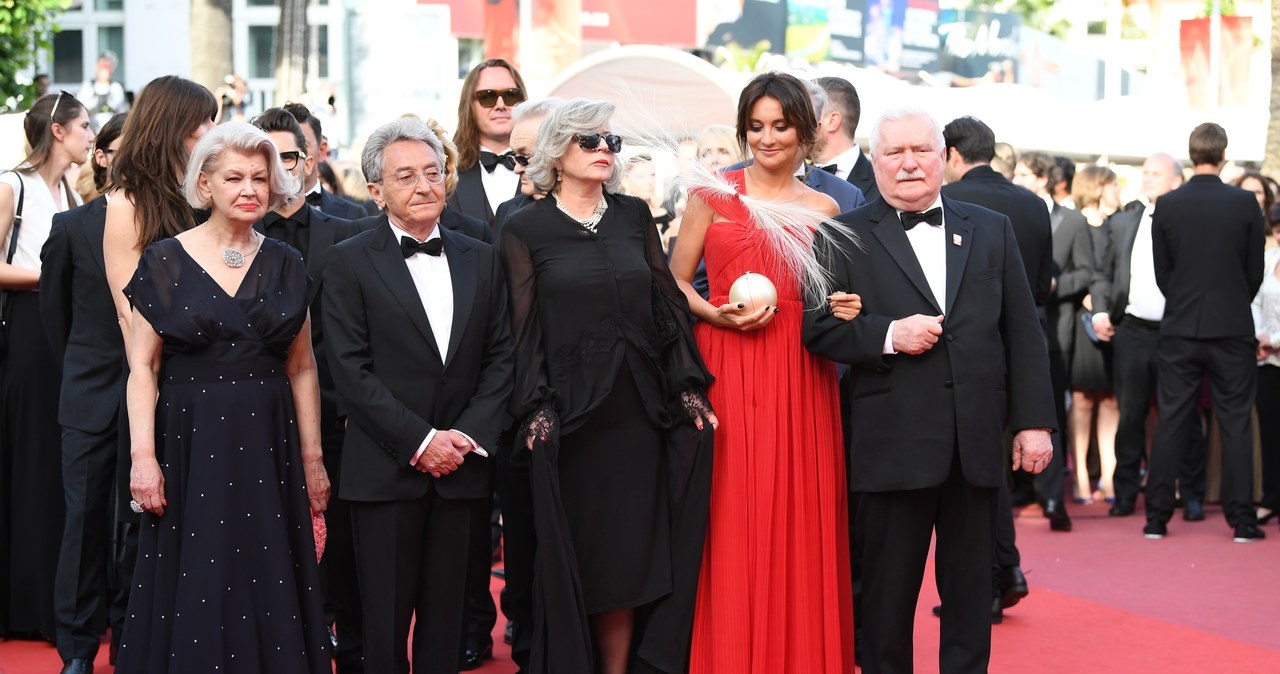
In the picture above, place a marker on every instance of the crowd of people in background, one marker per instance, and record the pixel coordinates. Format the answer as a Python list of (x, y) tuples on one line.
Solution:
[(305, 405)]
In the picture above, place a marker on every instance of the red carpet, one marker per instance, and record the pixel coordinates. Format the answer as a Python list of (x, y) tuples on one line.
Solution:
[(1103, 599)]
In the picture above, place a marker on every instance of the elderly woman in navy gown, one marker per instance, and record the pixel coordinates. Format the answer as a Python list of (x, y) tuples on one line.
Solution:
[(224, 417)]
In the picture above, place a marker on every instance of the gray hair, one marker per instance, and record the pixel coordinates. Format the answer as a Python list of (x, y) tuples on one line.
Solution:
[(558, 130), (817, 97), (907, 112), (241, 138), (372, 161), (535, 108)]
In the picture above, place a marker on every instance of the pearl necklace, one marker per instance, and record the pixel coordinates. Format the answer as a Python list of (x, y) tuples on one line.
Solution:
[(590, 223), (232, 257)]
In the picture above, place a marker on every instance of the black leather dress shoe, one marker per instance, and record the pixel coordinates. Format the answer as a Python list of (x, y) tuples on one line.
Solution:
[(1193, 511), (509, 633), (474, 655), (1056, 511), (1013, 585), (78, 666), (1121, 508)]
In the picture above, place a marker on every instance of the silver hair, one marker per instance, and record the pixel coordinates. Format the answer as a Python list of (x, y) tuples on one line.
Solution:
[(907, 112), (558, 130), (817, 97), (372, 161), (241, 138), (535, 108)]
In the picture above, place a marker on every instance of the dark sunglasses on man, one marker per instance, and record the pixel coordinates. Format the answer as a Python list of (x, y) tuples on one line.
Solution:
[(487, 98), (591, 141)]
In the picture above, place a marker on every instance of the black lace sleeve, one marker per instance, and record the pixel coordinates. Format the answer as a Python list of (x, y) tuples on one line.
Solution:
[(674, 324), (532, 389)]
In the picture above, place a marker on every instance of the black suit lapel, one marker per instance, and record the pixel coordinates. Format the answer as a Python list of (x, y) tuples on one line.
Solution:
[(321, 237), (959, 231), (894, 239), (388, 261), (469, 195), (462, 272), (92, 228)]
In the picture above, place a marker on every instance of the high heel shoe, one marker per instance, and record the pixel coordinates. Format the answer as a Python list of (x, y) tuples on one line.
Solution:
[(1265, 515)]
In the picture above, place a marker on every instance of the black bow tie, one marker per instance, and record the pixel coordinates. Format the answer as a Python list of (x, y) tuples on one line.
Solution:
[(410, 247), (933, 216), (313, 198), (831, 168), (490, 160)]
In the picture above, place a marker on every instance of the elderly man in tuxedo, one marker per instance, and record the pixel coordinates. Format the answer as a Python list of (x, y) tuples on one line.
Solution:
[(947, 347), (420, 348)]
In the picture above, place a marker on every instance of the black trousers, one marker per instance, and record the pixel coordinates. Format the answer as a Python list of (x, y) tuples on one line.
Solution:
[(519, 546), (481, 614), (411, 558), (81, 584), (338, 566), (1268, 404), (1134, 350), (895, 529), (1233, 372)]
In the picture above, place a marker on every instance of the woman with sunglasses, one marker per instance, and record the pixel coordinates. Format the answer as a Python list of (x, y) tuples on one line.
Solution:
[(603, 352), (58, 130)]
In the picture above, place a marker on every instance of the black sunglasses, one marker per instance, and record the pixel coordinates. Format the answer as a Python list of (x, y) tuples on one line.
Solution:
[(290, 158), (521, 159), (489, 97), (590, 141)]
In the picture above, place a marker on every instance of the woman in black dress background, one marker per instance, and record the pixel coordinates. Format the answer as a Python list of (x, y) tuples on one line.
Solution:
[(224, 421), (602, 350)]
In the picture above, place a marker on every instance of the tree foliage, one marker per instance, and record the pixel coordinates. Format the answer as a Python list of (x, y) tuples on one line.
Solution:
[(26, 27)]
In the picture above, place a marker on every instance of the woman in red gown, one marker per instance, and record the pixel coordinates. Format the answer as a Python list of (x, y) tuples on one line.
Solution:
[(774, 593)]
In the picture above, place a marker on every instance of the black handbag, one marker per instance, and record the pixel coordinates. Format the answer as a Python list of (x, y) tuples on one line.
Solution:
[(13, 248)]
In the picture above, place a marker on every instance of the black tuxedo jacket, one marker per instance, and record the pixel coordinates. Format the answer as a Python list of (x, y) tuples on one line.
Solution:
[(469, 198), (912, 412), (864, 177), (1117, 263), (324, 231), (1076, 270), (505, 209), (449, 219), (396, 383), (986, 188), (338, 207), (1208, 242), (80, 319)]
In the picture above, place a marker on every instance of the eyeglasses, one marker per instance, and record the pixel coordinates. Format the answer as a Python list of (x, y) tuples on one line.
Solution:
[(522, 159), (591, 141), (408, 179), (290, 158), (487, 98), (53, 113)]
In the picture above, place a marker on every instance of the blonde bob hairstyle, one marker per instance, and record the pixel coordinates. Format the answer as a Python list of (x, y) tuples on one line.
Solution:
[(241, 138), (558, 130)]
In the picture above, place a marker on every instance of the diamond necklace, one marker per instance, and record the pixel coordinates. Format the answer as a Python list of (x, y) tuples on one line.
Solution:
[(590, 223), (232, 257)]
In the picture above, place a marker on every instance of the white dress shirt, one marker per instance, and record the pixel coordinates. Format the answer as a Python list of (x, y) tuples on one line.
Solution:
[(930, 246), (1145, 299), (500, 185), (845, 160), (431, 278)]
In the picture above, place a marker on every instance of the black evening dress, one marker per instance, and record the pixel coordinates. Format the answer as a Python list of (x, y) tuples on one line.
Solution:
[(602, 339), (226, 579)]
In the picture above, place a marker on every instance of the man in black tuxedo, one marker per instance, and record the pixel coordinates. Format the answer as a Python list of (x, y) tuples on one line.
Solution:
[(1137, 304), (970, 147), (419, 343), (80, 321), (486, 164), (312, 232), (1075, 275), (946, 348), (836, 151), (318, 150), (1207, 240), (486, 178)]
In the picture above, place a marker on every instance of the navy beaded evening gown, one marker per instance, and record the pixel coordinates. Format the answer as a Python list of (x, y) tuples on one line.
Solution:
[(226, 579)]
